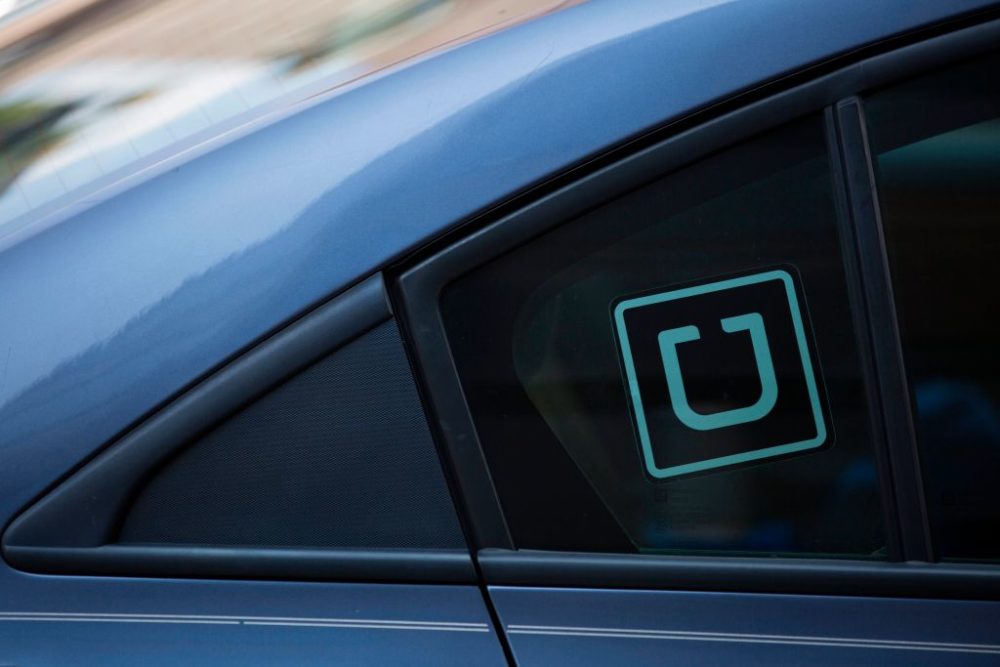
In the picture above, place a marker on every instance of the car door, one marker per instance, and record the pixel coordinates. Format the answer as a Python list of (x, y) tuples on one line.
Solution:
[(733, 397)]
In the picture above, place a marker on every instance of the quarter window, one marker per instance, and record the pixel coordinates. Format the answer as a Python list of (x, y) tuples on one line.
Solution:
[(337, 456)]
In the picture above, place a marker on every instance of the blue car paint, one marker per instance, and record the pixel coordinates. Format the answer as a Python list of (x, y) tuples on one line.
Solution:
[(113, 303), (594, 627), (96, 621)]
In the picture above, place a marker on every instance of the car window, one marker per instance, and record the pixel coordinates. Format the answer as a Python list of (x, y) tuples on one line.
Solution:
[(937, 145), (677, 371), (339, 455)]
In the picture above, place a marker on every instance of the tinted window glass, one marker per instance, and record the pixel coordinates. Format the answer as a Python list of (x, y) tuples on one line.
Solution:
[(338, 456), (937, 141), (677, 371)]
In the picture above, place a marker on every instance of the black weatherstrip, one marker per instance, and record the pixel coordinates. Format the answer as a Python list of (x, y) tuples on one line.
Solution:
[(368, 565), (886, 347), (865, 332), (738, 574), (467, 471)]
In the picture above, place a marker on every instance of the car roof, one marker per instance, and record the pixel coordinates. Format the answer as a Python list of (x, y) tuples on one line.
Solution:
[(122, 297)]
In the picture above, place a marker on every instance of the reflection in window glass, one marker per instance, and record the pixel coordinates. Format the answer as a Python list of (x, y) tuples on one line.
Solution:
[(733, 265), (937, 141)]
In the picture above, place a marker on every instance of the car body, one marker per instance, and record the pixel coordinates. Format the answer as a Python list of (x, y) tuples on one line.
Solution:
[(119, 300)]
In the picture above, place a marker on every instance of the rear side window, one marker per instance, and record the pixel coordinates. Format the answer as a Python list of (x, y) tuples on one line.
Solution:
[(678, 371), (937, 146)]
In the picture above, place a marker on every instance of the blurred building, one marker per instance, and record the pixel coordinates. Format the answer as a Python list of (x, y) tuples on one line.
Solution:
[(89, 89)]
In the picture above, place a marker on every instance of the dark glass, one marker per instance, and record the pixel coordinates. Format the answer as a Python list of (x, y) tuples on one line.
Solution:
[(534, 336), (937, 143)]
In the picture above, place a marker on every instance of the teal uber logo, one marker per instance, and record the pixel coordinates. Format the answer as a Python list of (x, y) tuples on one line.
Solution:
[(720, 374)]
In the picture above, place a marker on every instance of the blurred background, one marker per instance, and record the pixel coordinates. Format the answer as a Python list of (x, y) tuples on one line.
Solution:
[(91, 88)]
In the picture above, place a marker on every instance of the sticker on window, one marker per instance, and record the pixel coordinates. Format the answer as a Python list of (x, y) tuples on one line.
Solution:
[(720, 374)]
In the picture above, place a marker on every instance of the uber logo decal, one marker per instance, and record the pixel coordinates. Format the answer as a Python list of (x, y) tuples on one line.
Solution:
[(720, 374)]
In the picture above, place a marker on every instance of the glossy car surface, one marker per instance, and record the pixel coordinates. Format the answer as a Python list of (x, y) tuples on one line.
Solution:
[(117, 297)]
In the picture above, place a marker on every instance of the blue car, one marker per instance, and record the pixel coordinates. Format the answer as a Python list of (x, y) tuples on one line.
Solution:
[(640, 333)]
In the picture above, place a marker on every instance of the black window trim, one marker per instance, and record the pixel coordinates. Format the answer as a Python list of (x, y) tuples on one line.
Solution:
[(815, 576), (843, 167), (893, 399), (72, 528), (421, 280)]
